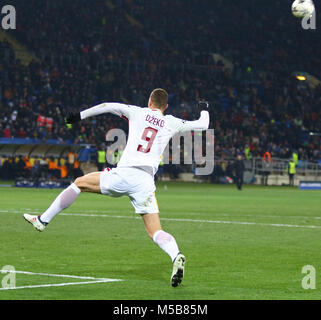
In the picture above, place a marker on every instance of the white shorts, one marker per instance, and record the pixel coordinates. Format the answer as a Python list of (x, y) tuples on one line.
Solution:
[(134, 182)]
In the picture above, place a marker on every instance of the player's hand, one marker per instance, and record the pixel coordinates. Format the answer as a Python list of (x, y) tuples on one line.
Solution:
[(73, 117), (202, 105)]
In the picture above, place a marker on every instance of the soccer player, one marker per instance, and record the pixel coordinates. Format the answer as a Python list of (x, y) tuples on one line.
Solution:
[(149, 133)]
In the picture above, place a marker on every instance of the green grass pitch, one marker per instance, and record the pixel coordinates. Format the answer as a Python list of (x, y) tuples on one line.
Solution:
[(251, 244)]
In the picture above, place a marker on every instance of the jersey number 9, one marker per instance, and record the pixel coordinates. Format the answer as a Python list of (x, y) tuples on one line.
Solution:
[(148, 135)]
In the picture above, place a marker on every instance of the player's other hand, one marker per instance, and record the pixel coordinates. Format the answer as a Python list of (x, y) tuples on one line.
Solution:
[(202, 105), (73, 117)]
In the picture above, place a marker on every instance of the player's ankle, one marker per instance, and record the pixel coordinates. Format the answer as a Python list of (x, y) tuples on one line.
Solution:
[(43, 222)]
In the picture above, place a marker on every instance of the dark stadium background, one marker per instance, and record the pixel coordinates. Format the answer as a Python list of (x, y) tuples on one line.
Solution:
[(243, 56), (70, 55)]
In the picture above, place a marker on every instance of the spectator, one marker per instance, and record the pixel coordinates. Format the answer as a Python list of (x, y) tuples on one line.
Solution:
[(20, 167), (258, 105), (53, 169), (291, 170), (7, 132), (239, 171)]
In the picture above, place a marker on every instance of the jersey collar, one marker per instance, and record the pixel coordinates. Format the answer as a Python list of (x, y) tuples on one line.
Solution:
[(156, 110)]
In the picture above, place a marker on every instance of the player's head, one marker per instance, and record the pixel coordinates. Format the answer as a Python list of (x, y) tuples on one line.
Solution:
[(158, 99)]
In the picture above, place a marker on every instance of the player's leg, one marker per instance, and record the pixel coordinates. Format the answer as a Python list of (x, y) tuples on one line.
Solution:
[(167, 243), (89, 182), (144, 201), (86, 183), (163, 239), (152, 223)]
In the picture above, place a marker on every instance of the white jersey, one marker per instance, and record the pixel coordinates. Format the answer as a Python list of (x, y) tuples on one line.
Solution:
[(149, 132)]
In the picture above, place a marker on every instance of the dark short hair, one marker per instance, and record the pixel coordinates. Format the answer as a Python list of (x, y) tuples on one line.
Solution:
[(159, 98)]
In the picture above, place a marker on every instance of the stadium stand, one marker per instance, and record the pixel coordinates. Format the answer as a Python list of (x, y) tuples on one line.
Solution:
[(110, 52)]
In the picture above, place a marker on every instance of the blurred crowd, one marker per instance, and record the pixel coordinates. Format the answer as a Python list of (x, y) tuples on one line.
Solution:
[(37, 168), (236, 54)]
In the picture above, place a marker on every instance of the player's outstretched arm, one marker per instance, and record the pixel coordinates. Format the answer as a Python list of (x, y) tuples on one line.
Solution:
[(118, 109), (202, 123)]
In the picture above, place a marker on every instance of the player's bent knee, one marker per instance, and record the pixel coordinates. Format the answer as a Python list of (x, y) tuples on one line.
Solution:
[(77, 182), (89, 183), (81, 183)]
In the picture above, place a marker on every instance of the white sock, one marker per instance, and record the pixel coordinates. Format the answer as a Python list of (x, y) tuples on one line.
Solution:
[(167, 242), (63, 201)]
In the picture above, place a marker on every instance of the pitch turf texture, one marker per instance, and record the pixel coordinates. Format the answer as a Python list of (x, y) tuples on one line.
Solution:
[(251, 244)]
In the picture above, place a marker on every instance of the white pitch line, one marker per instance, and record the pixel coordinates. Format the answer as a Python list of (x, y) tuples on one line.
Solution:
[(57, 284), (193, 220), (199, 221), (54, 275), (38, 211), (93, 280)]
